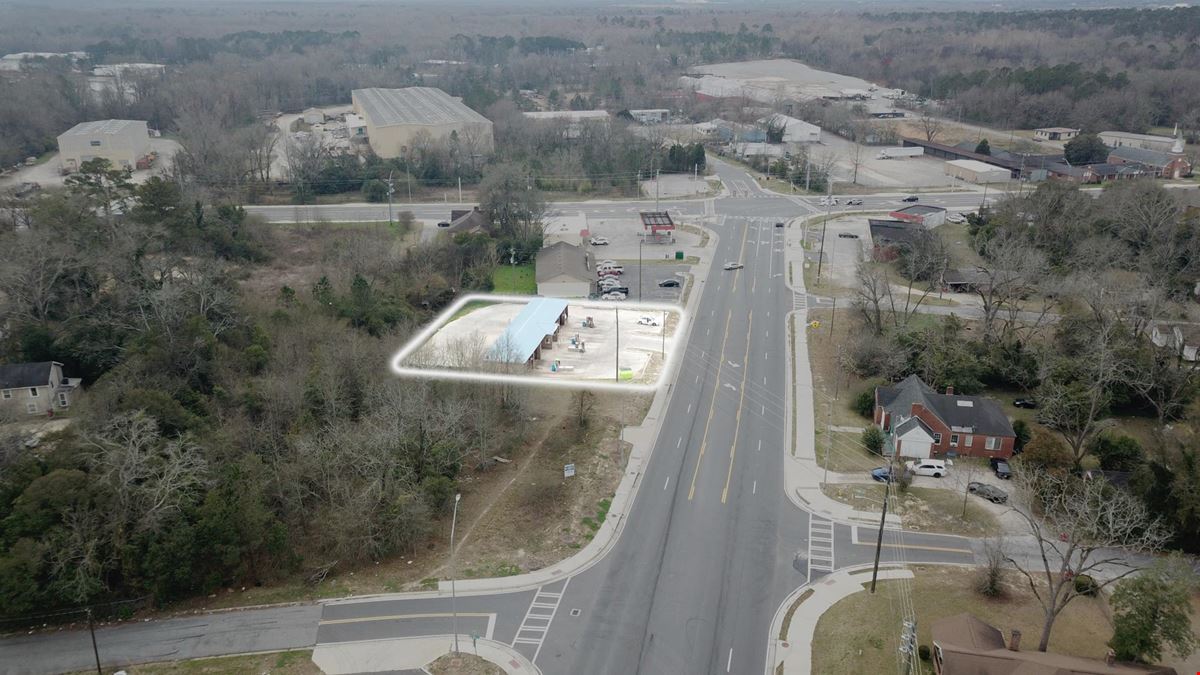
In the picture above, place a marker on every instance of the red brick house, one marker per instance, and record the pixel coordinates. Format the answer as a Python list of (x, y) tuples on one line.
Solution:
[(923, 423)]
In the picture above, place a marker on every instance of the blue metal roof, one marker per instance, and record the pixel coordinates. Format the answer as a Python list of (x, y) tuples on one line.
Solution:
[(526, 331)]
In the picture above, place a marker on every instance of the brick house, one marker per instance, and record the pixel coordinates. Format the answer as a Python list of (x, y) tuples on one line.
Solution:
[(35, 388), (923, 423)]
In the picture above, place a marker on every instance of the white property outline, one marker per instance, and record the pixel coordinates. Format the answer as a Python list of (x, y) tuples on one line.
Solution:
[(418, 340)]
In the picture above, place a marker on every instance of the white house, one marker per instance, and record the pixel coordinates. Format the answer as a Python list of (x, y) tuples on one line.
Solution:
[(1181, 338), (35, 388)]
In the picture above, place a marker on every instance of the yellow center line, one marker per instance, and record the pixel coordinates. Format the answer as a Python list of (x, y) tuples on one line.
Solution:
[(741, 399), (717, 385), (399, 617)]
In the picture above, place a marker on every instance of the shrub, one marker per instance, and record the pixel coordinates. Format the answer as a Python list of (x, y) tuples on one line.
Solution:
[(1117, 453), (1085, 585), (923, 652), (864, 404), (989, 581), (872, 438), (904, 481), (1045, 451), (1021, 430)]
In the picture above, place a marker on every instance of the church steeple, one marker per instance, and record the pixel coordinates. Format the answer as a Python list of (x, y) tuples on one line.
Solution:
[(1177, 147)]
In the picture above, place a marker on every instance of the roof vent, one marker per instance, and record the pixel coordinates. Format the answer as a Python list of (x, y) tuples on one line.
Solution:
[(965, 404)]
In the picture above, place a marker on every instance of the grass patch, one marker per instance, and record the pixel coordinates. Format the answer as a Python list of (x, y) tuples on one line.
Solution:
[(593, 523), (296, 662), (429, 584), (471, 307), (492, 570), (923, 509), (463, 664), (518, 279), (860, 633)]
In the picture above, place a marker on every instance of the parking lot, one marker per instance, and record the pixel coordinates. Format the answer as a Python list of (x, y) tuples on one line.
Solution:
[(651, 275), (624, 236), (847, 241)]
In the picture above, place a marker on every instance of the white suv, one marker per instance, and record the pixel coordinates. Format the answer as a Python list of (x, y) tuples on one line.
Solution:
[(928, 467)]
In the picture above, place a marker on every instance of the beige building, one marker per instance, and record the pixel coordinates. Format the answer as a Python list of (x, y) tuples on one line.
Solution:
[(394, 117), (122, 142), (562, 271), (34, 388), (974, 171), (1124, 139)]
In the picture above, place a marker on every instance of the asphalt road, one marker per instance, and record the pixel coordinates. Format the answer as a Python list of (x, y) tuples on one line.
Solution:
[(710, 548)]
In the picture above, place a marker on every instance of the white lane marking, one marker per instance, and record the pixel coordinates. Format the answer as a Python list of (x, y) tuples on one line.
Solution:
[(766, 334), (689, 409), (759, 445), (764, 410), (768, 315), (707, 331), (679, 442), (754, 488), (697, 380), (729, 661), (764, 379), (667, 483)]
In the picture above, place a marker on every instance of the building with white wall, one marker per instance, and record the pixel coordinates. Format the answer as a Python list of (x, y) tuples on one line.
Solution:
[(122, 142), (394, 117), (974, 171)]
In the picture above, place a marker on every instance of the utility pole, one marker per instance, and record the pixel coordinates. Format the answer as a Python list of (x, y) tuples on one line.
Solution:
[(824, 226), (664, 335), (95, 650), (641, 243), (879, 541), (391, 190), (657, 174), (454, 571), (617, 353), (460, 190)]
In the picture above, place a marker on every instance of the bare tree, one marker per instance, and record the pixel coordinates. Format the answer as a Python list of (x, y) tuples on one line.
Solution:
[(1079, 527), (1008, 273), (931, 125)]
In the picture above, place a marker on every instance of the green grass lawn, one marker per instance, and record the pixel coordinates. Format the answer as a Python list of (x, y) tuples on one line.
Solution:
[(519, 280), (297, 662)]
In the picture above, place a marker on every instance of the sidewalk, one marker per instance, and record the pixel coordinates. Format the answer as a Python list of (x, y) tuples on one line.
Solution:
[(802, 474), (641, 438), (794, 652), (414, 653)]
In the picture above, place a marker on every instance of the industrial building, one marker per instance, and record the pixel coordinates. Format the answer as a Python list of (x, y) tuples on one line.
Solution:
[(794, 130), (125, 143), (1124, 139), (650, 116), (393, 117), (921, 214), (574, 119), (1054, 134), (562, 271), (974, 171)]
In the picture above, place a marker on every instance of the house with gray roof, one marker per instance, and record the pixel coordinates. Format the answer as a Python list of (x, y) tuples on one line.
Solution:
[(1159, 164), (923, 423), (562, 271), (35, 388)]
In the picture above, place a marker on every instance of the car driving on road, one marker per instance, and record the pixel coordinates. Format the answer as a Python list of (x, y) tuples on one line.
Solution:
[(854, 202), (911, 198), (732, 266), (598, 241)]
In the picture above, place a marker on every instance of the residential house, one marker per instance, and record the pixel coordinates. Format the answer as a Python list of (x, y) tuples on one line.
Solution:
[(1183, 339), (1055, 134), (35, 388), (946, 424), (965, 645), (562, 271), (470, 221), (1094, 173)]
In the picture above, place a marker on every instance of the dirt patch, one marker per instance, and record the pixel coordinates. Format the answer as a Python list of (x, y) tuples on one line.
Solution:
[(463, 664), (922, 509)]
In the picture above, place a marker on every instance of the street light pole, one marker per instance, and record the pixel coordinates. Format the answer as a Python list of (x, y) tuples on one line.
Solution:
[(641, 242), (95, 650), (879, 541), (824, 226), (454, 571), (391, 189)]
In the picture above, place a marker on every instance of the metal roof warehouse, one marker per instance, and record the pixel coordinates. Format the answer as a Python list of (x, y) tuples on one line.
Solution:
[(413, 105), (535, 328)]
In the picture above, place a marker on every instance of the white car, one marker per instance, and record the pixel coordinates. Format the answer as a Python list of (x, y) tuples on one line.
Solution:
[(956, 218), (615, 295), (928, 467), (829, 201), (732, 266), (598, 241), (606, 263), (647, 321), (608, 282)]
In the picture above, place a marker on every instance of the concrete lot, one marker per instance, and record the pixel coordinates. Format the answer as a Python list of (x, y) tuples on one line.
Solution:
[(768, 80), (843, 253), (47, 174), (677, 185), (461, 343), (624, 232), (881, 173)]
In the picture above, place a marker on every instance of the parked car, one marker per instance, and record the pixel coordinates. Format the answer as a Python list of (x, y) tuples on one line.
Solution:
[(598, 241), (647, 321), (733, 266), (854, 202), (847, 235), (619, 269), (1001, 468), (607, 274), (669, 283), (1027, 403), (956, 218), (928, 467), (606, 263), (779, 224), (444, 224), (614, 295), (989, 492), (911, 198), (608, 282)]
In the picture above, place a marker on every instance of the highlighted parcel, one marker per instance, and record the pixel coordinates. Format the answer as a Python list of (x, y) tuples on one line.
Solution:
[(547, 341)]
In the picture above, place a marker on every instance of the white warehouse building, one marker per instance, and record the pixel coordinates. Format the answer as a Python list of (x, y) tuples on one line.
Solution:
[(122, 142), (794, 130), (394, 117), (974, 171)]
